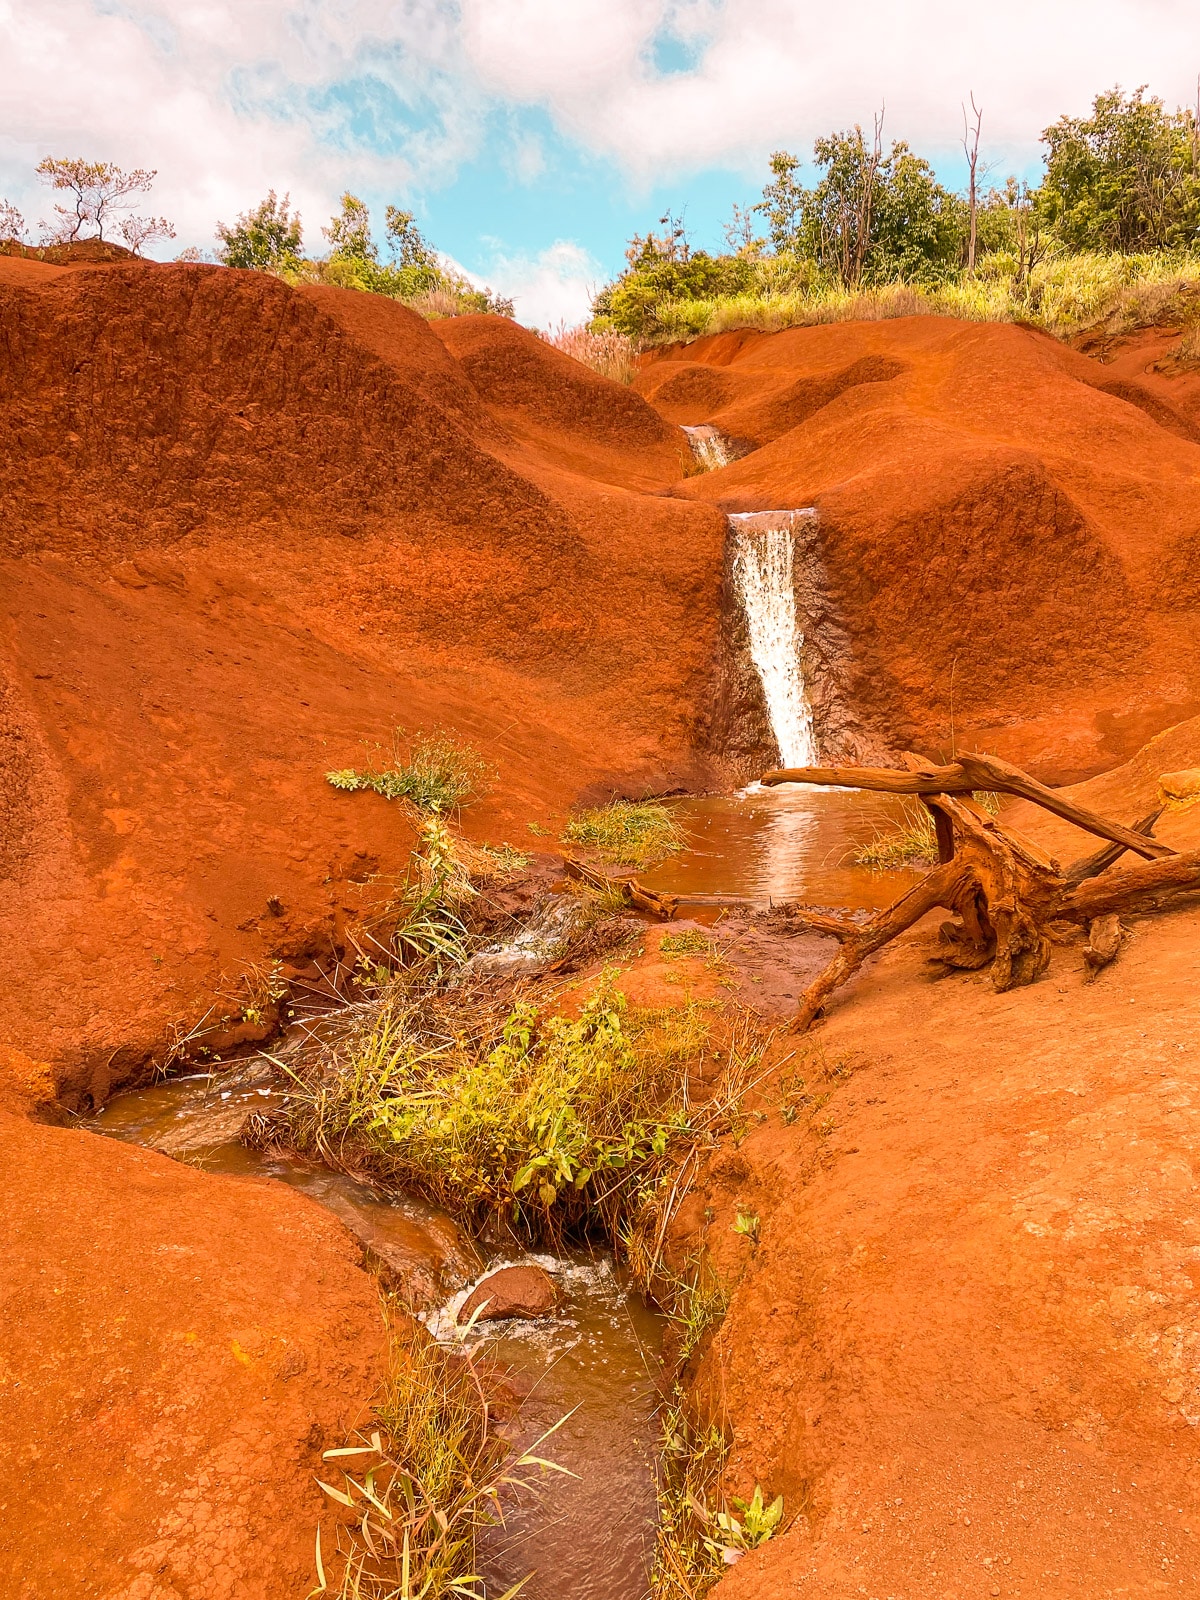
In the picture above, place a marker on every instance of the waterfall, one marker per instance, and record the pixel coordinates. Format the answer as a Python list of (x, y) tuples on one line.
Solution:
[(709, 446), (764, 545)]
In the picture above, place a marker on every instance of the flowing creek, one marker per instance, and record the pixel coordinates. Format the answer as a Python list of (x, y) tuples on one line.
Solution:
[(586, 1537), (597, 1360)]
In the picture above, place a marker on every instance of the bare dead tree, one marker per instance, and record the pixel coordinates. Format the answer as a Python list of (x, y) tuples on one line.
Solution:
[(861, 233), (970, 144), (138, 232)]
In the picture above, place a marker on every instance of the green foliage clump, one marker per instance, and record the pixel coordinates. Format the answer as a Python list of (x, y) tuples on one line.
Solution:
[(1126, 178), (635, 832), (267, 239), (433, 771), (270, 239), (546, 1120), (876, 235)]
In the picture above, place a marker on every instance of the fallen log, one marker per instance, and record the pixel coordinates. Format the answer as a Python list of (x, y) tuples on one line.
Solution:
[(1006, 893), (962, 777), (633, 893), (1152, 886)]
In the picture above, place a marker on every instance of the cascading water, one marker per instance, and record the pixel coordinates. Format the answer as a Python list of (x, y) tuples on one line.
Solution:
[(764, 547), (709, 446)]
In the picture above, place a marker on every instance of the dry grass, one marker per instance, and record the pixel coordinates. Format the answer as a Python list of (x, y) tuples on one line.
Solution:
[(609, 353), (1066, 295), (913, 841)]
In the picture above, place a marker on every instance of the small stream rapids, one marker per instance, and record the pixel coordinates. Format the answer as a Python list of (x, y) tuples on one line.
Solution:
[(764, 553)]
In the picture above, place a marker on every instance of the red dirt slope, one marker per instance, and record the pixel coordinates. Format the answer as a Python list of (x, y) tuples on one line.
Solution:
[(966, 1349), (177, 1351), (245, 527), (1003, 544)]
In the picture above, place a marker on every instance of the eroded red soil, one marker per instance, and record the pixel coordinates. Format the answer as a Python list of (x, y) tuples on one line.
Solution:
[(245, 528)]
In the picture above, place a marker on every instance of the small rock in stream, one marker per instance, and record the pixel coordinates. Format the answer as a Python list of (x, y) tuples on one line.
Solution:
[(525, 1292)]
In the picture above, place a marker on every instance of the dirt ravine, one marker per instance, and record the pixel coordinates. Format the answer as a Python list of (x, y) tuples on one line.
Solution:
[(246, 528)]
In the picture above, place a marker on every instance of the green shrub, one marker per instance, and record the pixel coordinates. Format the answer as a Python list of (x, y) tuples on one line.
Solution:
[(546, 1120), (635, 832)]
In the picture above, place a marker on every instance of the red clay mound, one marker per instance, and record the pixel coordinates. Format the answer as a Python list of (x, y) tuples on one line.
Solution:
[(177, 1351), (563, 411), (244, 528), (1005, 546)]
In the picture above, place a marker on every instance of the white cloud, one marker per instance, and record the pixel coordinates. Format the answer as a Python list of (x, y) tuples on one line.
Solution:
[(778, 72), (229, 97), (554, 286)]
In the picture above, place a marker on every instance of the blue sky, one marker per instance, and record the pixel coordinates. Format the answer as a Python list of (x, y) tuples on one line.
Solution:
[(532, 137)]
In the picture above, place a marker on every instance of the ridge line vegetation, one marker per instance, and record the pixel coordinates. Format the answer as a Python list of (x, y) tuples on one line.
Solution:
[(1111, 231)]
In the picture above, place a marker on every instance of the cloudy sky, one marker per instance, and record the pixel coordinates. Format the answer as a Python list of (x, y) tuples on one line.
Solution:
[(531, 137)]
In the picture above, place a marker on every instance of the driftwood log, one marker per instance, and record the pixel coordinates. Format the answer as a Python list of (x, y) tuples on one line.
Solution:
[(1006, 895)]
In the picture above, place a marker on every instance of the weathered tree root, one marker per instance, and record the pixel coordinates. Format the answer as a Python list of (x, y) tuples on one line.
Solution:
[(1006, 893)]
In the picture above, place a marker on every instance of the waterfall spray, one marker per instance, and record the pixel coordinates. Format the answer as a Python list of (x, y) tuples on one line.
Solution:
[(764, 547)]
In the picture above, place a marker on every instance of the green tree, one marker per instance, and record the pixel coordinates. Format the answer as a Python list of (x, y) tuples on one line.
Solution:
[(408, 244), (350, 231), (266, 239), (870, 217), (663, 268), (1126, 178)]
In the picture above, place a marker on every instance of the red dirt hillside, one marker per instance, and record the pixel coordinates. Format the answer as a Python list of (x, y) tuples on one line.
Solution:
[(1008, 533), (965, 1351), (245, 527)]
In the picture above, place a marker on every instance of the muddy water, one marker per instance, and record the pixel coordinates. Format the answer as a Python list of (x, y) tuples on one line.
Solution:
[(784, 844), (596, 1362), (586, 1537)]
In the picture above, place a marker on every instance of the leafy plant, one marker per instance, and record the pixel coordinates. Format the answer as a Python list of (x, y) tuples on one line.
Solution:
[(635, 832), (545, 1119), (747, 1226), (735, 1535), (433, 771), (419, 1486)]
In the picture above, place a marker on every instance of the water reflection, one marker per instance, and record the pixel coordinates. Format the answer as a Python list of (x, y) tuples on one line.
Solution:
[(784, 844)]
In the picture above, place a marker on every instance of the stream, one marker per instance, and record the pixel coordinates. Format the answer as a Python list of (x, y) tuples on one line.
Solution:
[(585, 1537), (596, 1361)]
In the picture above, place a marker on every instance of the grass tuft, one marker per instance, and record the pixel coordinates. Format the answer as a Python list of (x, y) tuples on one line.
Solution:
[(419, 1486), (913, 842), (432, 771), (687, 942), (635, 833)]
